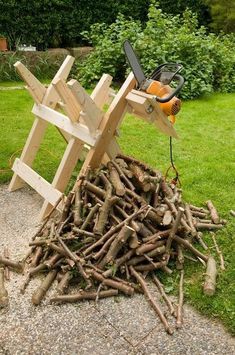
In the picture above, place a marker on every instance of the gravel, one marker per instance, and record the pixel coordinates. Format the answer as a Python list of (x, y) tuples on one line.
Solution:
[(118, 325)]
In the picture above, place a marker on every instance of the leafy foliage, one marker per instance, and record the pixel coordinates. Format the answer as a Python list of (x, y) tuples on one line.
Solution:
[(199, 7), (208, 60), (108, 56), (223, 15), (53, 23)]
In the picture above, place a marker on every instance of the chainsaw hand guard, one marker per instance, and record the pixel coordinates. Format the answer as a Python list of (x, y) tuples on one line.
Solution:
[(174, 92)]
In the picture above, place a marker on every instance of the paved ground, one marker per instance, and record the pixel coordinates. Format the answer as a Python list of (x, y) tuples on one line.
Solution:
[(115, 326)]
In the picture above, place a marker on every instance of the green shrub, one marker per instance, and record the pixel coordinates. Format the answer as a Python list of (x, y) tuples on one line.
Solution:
[(164, 38), (54, 23), (108, 56)]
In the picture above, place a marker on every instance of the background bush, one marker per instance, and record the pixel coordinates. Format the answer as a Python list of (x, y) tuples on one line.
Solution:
[(208, 60), (54, 23)]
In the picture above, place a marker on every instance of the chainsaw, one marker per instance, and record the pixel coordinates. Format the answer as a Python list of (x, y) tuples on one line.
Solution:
[(158, 84)]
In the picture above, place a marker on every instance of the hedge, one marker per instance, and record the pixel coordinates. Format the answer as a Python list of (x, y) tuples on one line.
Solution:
[(208, 60)]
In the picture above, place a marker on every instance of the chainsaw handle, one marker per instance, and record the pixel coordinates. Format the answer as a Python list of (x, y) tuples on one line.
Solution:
[(180, 80)]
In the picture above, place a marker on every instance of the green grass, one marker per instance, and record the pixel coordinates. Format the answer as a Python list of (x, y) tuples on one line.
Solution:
[(204, 156), (11, 83)]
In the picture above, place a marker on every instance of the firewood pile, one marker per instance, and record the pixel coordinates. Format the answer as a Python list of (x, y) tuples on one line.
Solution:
[(120, 224)]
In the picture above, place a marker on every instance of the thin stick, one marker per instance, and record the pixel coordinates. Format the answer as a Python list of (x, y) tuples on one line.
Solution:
[(45, 220), (77, 211), (90, 215), (98, 293), (219, 252), (64, 282), (152, 302), (75, 258), (190, 247), (173, 231), (84, 296), (179, 320), (121, 286), (164, 295), (201, 241), (209, 226)]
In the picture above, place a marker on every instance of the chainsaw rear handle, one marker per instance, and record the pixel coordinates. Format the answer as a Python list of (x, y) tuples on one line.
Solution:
[(180, 80)]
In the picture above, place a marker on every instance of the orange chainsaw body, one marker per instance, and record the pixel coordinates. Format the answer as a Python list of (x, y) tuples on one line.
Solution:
[(170, 108)]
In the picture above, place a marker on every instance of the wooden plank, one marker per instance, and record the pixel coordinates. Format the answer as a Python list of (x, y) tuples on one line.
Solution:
[(64, 171), (111, 96), (51, 97), (101, 92), (91, 114), (138, 103), (36, 181), (29, 151), (47, 96), (61, 121), (71, 106), (74, 148), (109, 124), (34, 86), (113, 149), (64, 69), (157, 116)]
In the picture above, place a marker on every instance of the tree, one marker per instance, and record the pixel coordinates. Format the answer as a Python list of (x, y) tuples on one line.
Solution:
[(199, 7), (223, 15)]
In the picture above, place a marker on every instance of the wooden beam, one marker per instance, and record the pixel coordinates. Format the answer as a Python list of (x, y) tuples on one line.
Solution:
[(101, 92), (36, 89), (51, 97), (71, 106), (64, 171), (91, 113), (113, 148), (138, 103), (48, 97), (74, 148), (158, 117), (61, 121), (109, 124), (29, 151), (38, 183)]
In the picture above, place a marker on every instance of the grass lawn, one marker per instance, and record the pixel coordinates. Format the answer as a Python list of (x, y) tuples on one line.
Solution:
[(204, 156)]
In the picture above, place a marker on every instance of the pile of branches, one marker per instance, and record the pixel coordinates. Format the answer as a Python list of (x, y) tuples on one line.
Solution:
[(119, 224)]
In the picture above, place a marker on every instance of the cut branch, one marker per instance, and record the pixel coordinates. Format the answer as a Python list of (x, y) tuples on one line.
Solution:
[(152, 302), (44, 287), (214, 214), (179, 320), (210, 279), (163, 294), (219, 252), (84, 296)]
